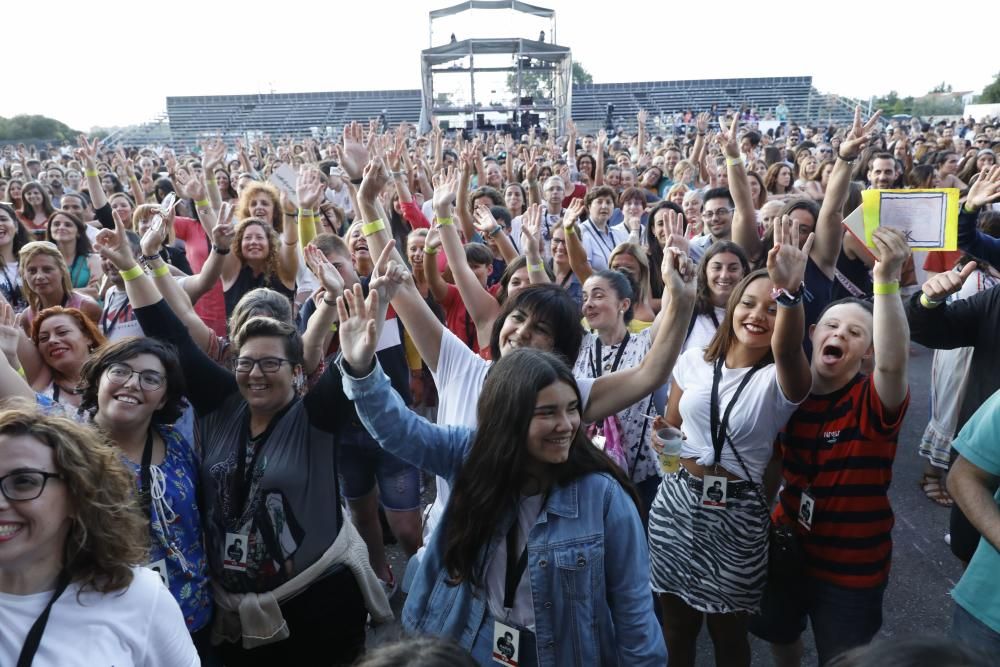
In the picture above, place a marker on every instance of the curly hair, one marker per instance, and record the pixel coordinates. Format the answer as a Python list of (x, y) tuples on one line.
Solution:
[(271, 263), (108, 534), (87, 328), (251, 190), (129, 348), (27, 253)]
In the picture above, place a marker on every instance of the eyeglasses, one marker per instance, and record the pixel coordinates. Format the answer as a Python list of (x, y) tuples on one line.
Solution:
[(826, 151), (717, 213), (25, 484), (557, 242), (267, 364), (122, 373)]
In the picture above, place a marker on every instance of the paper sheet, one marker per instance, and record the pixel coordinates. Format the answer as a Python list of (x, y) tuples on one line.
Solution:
[(927, 218), (284, 178)]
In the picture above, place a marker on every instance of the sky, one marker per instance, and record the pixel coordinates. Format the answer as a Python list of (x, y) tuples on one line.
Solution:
[(115, 62)]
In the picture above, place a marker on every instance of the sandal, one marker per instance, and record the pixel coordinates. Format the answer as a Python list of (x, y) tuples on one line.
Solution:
[(935, 490)]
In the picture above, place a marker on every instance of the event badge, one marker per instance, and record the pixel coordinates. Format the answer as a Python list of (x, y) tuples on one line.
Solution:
[(506, 644), (807, 509), (234, 553), (713, 492), (599, 441), (160, 567)]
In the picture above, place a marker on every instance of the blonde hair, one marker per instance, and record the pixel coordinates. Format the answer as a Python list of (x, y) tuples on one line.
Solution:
[(108, 534), (29, 252), (249, 192), (642, 280)]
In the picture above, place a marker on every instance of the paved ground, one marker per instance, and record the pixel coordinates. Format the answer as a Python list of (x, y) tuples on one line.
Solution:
[(923, 570)]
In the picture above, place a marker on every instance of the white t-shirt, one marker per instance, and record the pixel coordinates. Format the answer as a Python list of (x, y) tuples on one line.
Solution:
[(600, 244), (459, 379), (755, 421), (141, 626)]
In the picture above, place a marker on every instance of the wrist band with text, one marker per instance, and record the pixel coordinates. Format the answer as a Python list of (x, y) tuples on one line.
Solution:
[(131, 274), (886, 288), (372, 227)]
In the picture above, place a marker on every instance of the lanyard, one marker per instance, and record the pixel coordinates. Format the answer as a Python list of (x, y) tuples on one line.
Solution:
[(515, 569), (34, 637), (597, 365), (106, 326), (720, 429), (146, 477), (604, 246), (240, 486)]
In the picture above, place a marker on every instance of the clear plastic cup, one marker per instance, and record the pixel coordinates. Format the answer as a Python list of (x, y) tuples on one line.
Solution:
[(668, 442)]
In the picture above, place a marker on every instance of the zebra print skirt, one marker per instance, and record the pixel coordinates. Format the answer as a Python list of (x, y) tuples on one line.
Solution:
[(714, 560)]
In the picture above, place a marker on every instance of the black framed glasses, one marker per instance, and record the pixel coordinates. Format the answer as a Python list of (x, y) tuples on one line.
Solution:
[(717, 213), (121, 373), (25, 484), (267, 364)]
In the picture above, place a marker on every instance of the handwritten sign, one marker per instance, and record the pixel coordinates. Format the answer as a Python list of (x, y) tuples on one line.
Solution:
[(927, 218), (284, 178)]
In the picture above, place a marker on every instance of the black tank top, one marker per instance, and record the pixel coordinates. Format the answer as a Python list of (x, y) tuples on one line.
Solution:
[(246, 281)]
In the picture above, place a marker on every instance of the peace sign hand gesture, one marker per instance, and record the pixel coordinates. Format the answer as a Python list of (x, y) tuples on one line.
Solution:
[(786, 262), (728, 140), (857, 137), (113, 245)]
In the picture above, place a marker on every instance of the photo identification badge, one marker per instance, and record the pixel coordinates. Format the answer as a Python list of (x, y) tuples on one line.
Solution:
[(234, 552), (807, 509), (160, 567), (506, 642), (713, 492)]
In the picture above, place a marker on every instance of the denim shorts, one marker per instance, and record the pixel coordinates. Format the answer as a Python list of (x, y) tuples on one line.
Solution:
[(972, 633), (842, 618), (362, 464)]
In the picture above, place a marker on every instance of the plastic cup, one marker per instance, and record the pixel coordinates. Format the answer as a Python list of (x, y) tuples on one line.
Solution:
[(668, 443)]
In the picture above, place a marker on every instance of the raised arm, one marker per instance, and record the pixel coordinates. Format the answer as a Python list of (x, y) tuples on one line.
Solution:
[(701, 124), (602, 139), (314, 340), (786, 265), (466, 162), (488, 227), (87, 154), (946, 326), (223, 233), (531, 234), (641, 118), (829, 226), (578, 260), (310, 190), (213, 155), (971, 239), (12, 383), (744, 215), (615, 391), (288, 253), (891, 336)]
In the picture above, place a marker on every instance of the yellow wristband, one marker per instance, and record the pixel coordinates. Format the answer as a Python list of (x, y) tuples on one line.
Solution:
[(202, 203), (536, 267), (571, 229), (733, 161), (161, 271), (211, 180), (20, 371), (370, 228), (306, 213), (430, 251), (966, 209), (441, 222), (91, 172), (886, 288), (927, 302), (131, 274)]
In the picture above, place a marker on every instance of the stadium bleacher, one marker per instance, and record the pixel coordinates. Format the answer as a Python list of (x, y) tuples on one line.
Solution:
[(297, 113)]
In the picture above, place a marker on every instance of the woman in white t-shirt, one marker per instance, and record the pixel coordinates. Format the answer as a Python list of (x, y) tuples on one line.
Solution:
[(12, 238), (708, 527), (70, 536)]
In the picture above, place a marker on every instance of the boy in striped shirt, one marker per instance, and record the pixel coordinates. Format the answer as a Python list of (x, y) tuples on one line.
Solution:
[(838, 450)]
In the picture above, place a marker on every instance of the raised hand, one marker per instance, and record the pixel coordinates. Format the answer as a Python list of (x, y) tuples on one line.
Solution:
[(676, 238), (224, 231), (985, 190), (892, 250), (728, 140), (484, 222), (445, 191), (10, 333), (857, 136), (190, 186), (154, 237), (358, 330), (324, 270), (701, 122), (388, 275), (309, 188), (87, 153), (213, 154), (531, 230), (353, 154), (944, 284), (113, 245), (786, 262), (432, 242), (642, 117), (679, 273), (573, 212), (375, 180)]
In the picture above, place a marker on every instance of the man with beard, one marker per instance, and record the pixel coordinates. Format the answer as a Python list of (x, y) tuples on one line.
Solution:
[(717, 212)]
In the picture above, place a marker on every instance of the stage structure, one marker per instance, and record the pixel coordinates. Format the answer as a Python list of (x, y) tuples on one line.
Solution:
[(496, 83)]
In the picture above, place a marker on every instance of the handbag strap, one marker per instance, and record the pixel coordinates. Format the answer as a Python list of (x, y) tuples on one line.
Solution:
[(753, 484)]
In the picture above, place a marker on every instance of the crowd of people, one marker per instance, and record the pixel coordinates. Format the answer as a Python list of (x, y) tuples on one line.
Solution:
[(221, 392)]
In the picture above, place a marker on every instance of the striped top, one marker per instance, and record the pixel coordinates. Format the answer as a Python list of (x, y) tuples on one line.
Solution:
[(841, 447)]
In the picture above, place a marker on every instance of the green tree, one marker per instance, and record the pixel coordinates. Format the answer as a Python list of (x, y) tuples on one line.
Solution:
[(942, 88), (991, 93), (35, 127), (580, 75)]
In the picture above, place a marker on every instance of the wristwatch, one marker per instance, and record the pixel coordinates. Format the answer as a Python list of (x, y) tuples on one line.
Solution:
[(788, 299)]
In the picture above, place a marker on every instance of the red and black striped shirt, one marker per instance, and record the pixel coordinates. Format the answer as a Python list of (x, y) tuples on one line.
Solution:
[(841, 447)]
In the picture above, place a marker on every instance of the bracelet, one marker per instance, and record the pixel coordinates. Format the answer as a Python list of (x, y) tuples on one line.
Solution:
[(330, 303), (848, 160), (92, 173), (356, 181), (20, 371), (430, 251), (928, 302), (131, 274), (147, 259), (211, 180), (396, 174), (701, 134), (733, 161), (886, 288), (493, 232), (287, 243), (788, 299), (372, 227), (161, 271), (534, 268), (442, 222), (307, 213), (219, 250), (569, 229), (202, 203), (966, 209), (291, 214)]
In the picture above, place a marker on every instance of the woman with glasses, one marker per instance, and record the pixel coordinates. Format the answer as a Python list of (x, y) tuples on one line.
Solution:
[(269, 482), (71, 593)]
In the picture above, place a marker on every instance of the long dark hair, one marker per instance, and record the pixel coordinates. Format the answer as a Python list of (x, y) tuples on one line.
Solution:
[(703, 297), (554, 305), (653, 248), (725, 335), (489, 484), (83, 247), (20, 233)]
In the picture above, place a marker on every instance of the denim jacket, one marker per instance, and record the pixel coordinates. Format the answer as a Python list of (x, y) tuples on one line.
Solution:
[(587, 557)]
